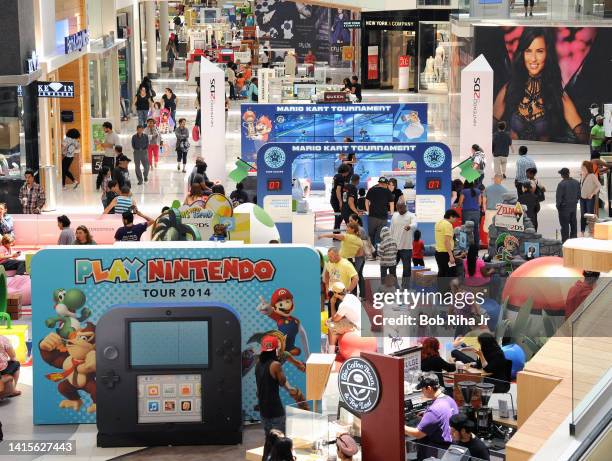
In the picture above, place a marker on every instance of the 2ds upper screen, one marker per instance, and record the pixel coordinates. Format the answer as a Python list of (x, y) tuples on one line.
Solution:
[(172, 343)]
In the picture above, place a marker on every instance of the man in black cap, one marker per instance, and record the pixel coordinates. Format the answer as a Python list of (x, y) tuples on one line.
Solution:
[(462, 431), (379, 206), (433, 432), (121, 173), (568, 196)]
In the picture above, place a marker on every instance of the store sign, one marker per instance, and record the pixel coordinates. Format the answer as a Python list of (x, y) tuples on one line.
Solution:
[(404, 73), (389, 24), (359, 385), (352, 24), (372, 63), (334, 96), (76, 42), (510, 217), (55, 89)]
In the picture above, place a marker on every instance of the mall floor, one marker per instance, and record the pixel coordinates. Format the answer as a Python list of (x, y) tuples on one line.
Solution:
[(167, 184)]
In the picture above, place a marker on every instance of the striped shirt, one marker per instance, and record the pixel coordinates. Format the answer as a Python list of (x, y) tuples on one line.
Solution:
[(123, 204), (387, 248), (522, 164)]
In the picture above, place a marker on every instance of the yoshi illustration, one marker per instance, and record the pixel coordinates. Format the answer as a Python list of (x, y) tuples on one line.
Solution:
[(67, 305)]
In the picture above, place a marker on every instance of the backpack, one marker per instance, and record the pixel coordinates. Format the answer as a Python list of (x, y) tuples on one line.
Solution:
[(539, 193)]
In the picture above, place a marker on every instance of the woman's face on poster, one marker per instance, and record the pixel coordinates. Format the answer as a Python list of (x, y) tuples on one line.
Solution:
[(535, 56)]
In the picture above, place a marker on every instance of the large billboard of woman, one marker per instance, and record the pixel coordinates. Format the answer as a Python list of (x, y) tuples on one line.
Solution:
[(304, 27), (546, 78)]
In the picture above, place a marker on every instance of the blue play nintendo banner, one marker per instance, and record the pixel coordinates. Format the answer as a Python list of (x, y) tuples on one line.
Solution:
[(308, 123), (425, 166), (74, 286)]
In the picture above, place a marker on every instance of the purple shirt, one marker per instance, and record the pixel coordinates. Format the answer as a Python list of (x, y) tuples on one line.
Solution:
[(435, 421)]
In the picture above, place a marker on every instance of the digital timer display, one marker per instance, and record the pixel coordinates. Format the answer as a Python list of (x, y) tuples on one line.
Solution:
[(433, 183), (274, 184)]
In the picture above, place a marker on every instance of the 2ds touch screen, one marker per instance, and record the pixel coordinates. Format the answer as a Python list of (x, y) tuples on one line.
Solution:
[(169, 398), (168, 344)]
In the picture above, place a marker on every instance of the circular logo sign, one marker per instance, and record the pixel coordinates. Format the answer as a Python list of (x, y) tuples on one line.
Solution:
[(434, 157), (359, 385), (274, 157)]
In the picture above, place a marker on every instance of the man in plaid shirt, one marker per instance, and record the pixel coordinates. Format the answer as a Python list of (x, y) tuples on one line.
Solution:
[(31, 195)]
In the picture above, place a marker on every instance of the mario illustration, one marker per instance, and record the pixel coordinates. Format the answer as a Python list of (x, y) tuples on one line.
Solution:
[(279, 309)]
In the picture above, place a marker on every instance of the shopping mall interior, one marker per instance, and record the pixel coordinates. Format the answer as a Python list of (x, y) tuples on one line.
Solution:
[(325, 230)]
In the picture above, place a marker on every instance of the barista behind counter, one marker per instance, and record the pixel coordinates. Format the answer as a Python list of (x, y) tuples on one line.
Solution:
[(434, 431)]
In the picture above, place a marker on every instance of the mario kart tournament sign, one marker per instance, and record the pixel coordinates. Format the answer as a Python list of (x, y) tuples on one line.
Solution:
[(73, 287), (308, 123), (428, 165)]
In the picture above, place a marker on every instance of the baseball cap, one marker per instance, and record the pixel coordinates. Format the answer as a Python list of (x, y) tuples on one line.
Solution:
[(564, 171), (269, 343), (347, 445), (428, 380), (383, 180), (123, 158), (338, 287)]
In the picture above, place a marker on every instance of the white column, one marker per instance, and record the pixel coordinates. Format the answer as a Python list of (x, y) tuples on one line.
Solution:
[(136, 45), (114, 106), (151, 42), (164, 30), (212, 89), (44, 21)]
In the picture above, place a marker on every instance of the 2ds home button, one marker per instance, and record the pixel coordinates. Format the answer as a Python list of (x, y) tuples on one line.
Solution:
[(110, 352)]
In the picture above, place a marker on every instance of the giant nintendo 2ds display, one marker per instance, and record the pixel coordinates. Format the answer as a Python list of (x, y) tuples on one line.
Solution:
[(181, 363), (297, 123), (73, 287)]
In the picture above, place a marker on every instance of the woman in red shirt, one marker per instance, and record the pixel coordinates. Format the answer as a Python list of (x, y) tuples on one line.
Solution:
[(418, 249)]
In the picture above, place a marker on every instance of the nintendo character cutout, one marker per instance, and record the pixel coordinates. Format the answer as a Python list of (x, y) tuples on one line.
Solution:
[(506, 247), (68, 303), (280, 309), (75, 357)]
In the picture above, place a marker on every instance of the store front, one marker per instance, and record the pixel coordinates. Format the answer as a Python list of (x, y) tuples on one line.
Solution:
[(390, 43), (104, 75), (66, 112), (18, 138), (127, 78)]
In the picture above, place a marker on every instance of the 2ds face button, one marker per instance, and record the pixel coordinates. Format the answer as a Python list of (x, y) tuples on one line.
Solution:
[(110, 352)]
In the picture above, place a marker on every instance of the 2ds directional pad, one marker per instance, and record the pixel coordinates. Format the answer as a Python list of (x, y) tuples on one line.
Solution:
[(110, 379)]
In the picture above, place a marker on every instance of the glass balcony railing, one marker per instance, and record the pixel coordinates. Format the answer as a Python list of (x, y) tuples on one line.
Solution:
[(591, 344)]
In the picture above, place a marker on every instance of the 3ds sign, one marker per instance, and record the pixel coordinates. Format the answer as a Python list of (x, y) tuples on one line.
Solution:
[(76, 42), (55, 89)]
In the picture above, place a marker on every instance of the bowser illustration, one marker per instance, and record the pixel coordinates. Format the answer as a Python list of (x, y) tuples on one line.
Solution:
[(75, 357), (279, 309), (67, 306)]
